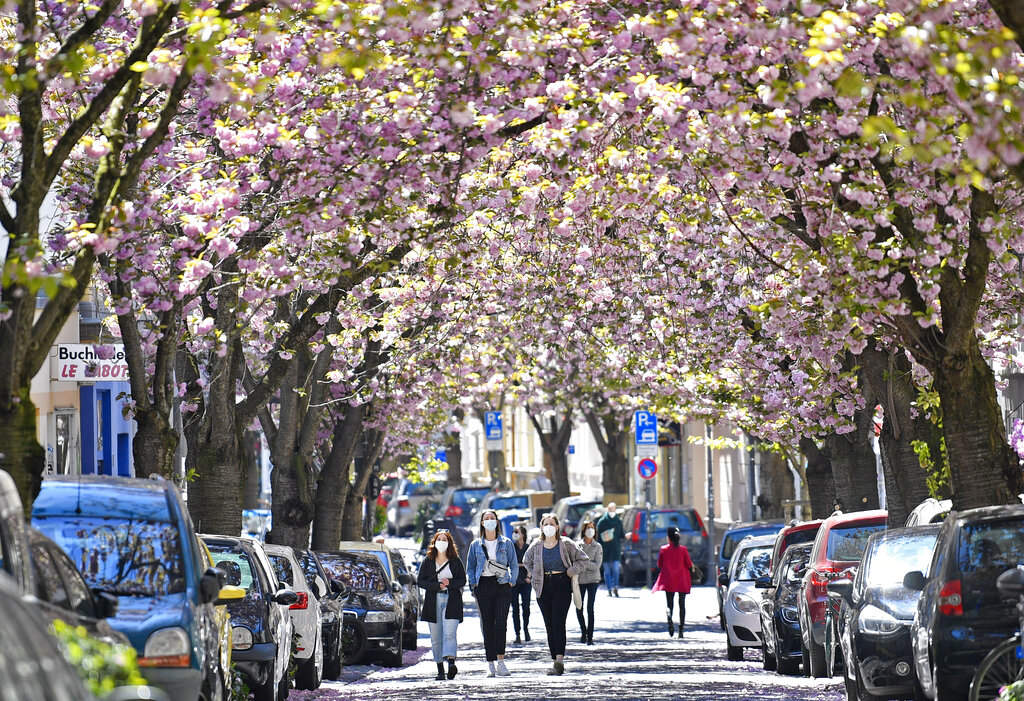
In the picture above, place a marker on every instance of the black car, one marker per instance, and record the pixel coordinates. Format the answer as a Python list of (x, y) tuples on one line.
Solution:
[(374, 600), (877, 611), (32, 664), (63, 592), (780, 616), (961, 615), (261, 624), (331, 595), (640, 547)]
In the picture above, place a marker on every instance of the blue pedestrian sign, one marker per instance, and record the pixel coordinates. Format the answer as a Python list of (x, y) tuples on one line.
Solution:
[(646, 426), (647, 468), (492, 425)]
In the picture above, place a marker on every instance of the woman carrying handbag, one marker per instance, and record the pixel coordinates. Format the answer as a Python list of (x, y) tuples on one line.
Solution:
[(492, 569), (550, 563), (442, 576)]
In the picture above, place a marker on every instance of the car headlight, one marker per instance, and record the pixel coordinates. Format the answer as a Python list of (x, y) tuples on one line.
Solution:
[(167, 647), (330, 617), (790, 615), (874, 620), (744, 604), (379, 616), (241, 638)]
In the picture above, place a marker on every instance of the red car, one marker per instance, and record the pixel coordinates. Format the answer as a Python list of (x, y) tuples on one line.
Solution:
[(796, 532), (838, 548)]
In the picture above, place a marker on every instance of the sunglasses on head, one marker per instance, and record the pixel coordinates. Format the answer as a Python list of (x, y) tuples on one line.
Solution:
[(441, 530)]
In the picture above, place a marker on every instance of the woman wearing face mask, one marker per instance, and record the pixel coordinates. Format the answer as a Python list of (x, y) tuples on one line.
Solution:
[(492, 569), (550, 562), (442, 576), (590, 578), (521, 591)]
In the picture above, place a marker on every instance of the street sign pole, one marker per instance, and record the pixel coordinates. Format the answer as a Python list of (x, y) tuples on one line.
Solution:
[(712, 563)]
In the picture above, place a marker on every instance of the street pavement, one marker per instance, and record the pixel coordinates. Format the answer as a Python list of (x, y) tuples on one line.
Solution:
[(632, 658)]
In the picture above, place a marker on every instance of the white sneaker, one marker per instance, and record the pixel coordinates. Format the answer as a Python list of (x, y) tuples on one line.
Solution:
[(502, 669), (490, 669)]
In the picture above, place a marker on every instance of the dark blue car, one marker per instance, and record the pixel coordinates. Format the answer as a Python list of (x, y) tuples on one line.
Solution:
[(133, 538)]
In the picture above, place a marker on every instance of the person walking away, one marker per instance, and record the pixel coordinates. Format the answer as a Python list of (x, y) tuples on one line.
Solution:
[(492, 569), (442, 576), (610, 534), (590, 580), (674, 578), (522, 589), (550, 562)]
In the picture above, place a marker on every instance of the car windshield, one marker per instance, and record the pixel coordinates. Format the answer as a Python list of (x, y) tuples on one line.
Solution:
[(661, 520), (799, 557), (753, 563), (507, 503), (729, 544), (238, 568), (469, 497), (806, 535), (361, 575), (894, 556), (121, 556), (847, 543), (576, 511), (282, 569)]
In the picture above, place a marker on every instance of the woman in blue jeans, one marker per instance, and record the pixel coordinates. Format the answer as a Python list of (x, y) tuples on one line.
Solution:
[(522, 590), (442, 576)]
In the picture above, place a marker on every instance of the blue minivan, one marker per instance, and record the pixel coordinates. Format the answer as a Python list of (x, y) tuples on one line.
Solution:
[(133, 538)]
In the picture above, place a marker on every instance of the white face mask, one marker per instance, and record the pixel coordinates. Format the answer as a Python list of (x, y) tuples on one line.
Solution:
[(549, 530), (490, 524), (516, 536), (589, 532), (441, 545), (611, 512)]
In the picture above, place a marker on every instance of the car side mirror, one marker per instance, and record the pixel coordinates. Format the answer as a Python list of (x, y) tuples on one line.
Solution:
[(843, 588), (209, 586), (914, 580), (763, 583), (229, 593), (405, 578), (396, 587), (723, 579), (285, 597), (1011, 582), (136, 693), (106, 603)]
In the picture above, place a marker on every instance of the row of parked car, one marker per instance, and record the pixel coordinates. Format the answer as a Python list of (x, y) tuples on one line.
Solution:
[(121, 558), (905, 613)]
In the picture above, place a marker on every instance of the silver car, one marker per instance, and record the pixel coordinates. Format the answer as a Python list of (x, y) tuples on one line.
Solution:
[(406, 501)]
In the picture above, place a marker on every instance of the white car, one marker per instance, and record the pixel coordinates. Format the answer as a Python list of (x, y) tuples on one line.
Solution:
[(305, 615), (742, 604)]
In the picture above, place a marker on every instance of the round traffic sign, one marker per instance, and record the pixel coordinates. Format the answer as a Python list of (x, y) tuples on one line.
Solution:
[(647, 468)]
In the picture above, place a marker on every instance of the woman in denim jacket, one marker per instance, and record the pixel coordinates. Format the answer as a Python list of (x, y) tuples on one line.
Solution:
[(492, 585)]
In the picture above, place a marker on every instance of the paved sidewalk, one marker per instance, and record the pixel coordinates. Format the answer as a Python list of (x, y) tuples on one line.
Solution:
[(633, 658)]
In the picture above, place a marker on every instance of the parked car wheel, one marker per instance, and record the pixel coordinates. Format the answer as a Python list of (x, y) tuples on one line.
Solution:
[(393, 656), (805, 660), (732, 652), (816, 652), (268, 690), (353, 641), (767, 660), (410, 641), (787, 667), (307, 677)]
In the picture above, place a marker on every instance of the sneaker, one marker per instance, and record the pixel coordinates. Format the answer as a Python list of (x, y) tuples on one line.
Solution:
[(502, 670), (616, 590), (559, 668), (490, 669)]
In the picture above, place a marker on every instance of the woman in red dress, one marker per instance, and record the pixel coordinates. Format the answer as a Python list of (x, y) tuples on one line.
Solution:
[(674, 578)]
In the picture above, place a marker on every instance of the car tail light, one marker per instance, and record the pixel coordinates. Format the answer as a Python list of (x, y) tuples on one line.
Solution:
[(817, 593), (700, 522), (403, 502), (636, 528), (302, 603), (950, 601), (453, 510), (633, 537)]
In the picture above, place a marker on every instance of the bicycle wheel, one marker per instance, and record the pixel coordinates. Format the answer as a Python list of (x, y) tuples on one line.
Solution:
[(1002, 666)]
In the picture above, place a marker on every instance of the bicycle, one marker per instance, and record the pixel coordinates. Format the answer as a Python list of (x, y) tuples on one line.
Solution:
[(1005, 663)]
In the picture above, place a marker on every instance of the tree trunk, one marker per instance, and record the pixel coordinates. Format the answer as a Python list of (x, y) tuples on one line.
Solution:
[(983, 467), (352, 519), (611, 438), (453, 450), (20, 452), (496, 466), (556, 447), (333, 484), (155, 444), (776, 485), (821, 489), (215, 492), (854, 466)]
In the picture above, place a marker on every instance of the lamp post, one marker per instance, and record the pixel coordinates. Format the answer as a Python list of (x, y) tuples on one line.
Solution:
[(711, 563)]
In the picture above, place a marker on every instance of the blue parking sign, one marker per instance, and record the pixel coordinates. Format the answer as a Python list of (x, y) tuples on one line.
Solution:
[(645, 423), (492, 425)]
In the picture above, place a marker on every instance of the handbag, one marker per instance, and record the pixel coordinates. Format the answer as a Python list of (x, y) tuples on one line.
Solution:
[(496, 568), (577, 595), (698, 573)]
